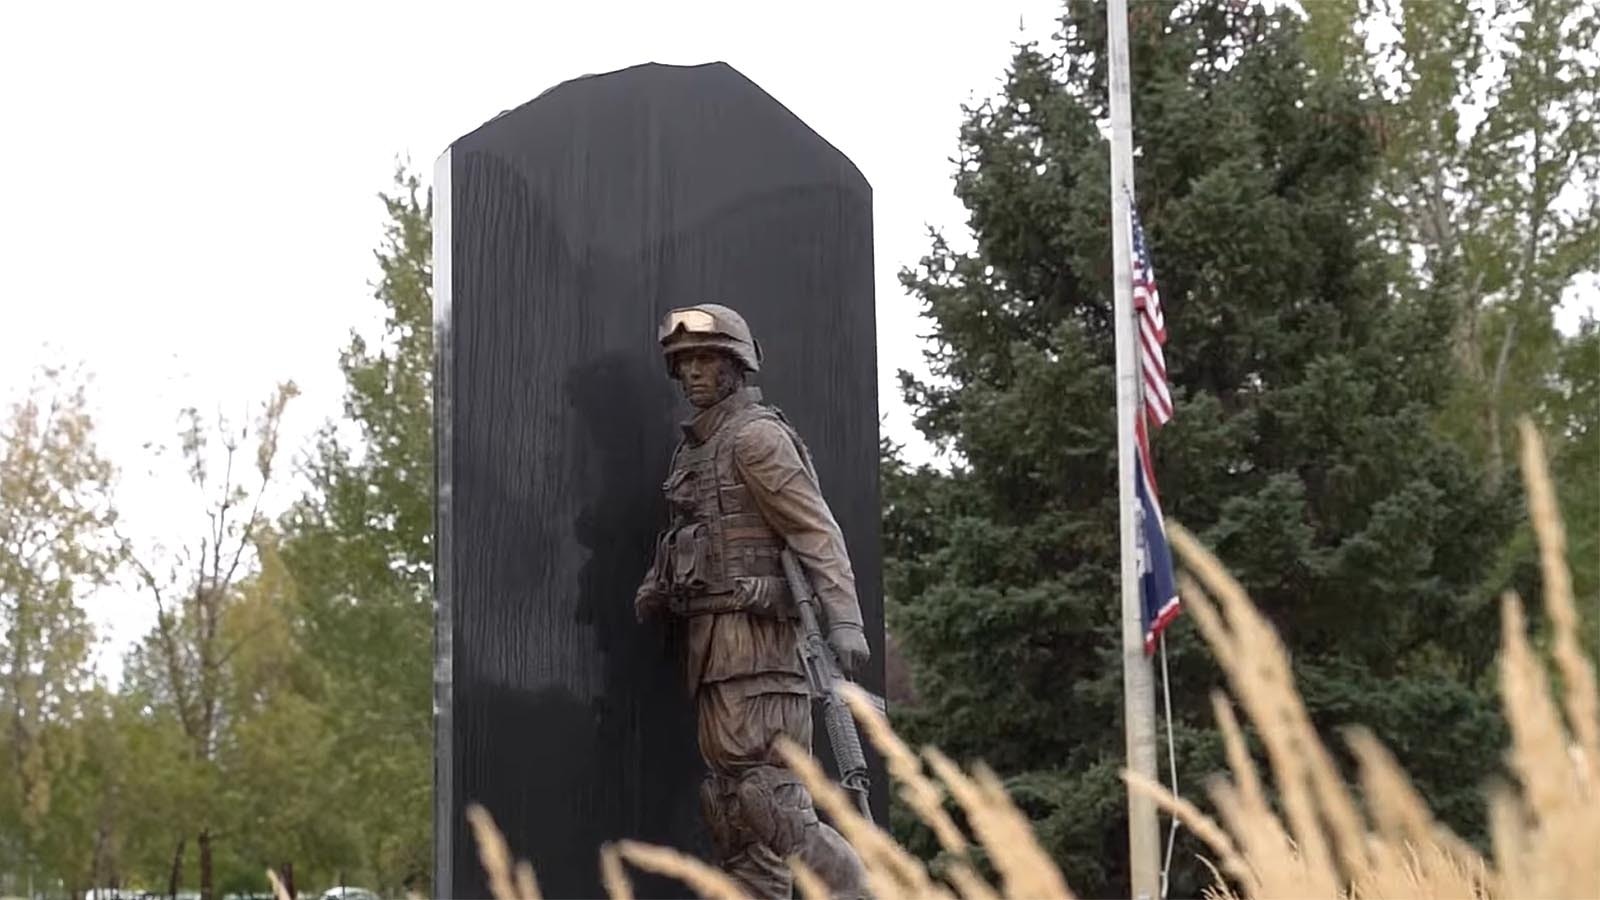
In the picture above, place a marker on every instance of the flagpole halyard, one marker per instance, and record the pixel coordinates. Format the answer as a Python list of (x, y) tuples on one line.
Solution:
[(1172, 763), (1144, 838)]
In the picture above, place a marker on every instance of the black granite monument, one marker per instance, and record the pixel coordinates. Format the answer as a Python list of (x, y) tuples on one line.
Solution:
[(563, 230)]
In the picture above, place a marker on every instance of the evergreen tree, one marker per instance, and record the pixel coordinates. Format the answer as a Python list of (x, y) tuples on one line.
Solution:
[(1303, 448)]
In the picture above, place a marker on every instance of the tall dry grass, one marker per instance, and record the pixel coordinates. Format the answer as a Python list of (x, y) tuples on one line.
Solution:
[(1323, 843), (1309, 835)]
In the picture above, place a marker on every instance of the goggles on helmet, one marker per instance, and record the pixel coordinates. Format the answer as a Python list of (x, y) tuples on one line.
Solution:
[(693, 321)]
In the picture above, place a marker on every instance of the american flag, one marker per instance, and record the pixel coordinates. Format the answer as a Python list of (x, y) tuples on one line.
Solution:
[(1152, 328), (1158, 589)]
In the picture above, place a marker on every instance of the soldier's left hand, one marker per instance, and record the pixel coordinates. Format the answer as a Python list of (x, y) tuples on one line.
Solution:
[(850, 643), (648, 602)]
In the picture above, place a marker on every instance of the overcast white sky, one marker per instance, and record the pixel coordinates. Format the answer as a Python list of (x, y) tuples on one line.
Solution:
[(191, 188)]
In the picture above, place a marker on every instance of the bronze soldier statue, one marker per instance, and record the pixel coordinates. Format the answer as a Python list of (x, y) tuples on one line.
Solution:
[(742, 488)]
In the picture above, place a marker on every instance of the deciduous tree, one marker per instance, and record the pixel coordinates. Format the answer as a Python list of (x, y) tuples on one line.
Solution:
[(56, 544), (196, 589)]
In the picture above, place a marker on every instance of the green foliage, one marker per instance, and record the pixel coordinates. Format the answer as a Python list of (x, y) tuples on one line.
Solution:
[(1491, 179), (1303, 448), (1570, 417), (1574, 415), (358, 549), (156, 785), (275, 714), (1491, 184)]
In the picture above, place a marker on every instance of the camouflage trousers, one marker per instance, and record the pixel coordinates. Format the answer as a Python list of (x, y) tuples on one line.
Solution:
[(757, 810)]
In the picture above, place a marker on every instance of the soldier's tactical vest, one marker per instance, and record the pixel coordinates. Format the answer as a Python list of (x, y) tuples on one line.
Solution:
[(719, 554)]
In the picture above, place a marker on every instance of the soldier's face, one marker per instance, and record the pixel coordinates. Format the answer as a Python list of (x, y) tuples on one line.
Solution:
[(700, 373)]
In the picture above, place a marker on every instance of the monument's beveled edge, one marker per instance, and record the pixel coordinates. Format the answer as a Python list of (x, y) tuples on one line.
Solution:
[(443, 568)]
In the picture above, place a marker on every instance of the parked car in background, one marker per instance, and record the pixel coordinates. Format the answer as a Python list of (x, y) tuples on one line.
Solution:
[(345, 892)]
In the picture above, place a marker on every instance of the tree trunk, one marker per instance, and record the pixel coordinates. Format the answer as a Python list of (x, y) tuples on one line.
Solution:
[(99, 868), (286, 875), (1497, 456), (205, 864), (177, 870)]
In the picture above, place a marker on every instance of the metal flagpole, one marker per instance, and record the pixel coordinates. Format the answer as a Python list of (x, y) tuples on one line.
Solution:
[(1144, 836)]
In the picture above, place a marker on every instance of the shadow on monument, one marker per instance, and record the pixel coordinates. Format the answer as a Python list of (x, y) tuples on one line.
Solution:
[(643, 708)]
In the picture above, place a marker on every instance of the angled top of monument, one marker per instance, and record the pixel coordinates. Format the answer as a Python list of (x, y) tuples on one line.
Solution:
[(632, 112), (698, 136)]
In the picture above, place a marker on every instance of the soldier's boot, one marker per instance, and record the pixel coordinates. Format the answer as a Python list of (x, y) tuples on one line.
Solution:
[(828, 854)]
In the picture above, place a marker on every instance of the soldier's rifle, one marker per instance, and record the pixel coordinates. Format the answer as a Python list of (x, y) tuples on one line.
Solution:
[(826, 676)]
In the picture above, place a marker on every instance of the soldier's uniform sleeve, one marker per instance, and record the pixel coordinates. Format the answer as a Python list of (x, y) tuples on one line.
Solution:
[(788, 496)]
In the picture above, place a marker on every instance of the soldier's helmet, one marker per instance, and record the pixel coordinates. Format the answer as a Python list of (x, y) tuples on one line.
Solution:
[(709, 326)]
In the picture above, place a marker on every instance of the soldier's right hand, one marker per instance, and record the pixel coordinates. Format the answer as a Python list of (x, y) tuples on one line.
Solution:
[(850, 645)]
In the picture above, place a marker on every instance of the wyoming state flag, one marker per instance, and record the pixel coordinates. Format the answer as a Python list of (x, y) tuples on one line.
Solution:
[(1158, 591)]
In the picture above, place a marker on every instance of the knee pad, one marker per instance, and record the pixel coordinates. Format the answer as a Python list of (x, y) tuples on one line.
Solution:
[(775, 808)]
